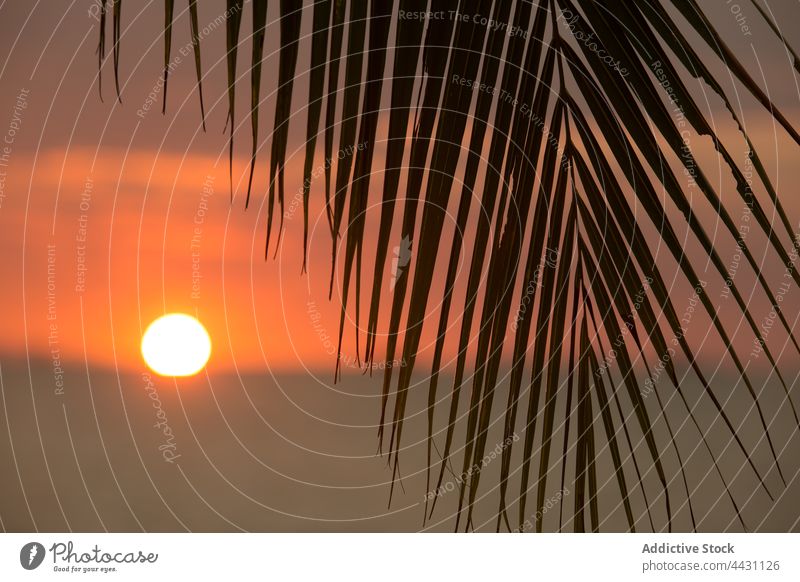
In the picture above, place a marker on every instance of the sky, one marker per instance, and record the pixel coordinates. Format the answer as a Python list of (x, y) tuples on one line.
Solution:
[(131, 209), (112, 214)]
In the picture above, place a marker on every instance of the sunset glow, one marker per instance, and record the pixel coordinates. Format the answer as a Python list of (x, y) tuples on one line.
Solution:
[(176, 344)]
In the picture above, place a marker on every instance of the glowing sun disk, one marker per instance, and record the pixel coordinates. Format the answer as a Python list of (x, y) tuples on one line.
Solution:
[(176, 344)]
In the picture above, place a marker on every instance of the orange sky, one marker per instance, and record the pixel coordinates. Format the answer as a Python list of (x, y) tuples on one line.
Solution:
[(135, 234), (133, 186), (159, 235)]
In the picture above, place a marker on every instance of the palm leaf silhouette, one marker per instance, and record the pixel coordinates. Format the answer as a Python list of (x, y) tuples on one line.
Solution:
[(562, 150)]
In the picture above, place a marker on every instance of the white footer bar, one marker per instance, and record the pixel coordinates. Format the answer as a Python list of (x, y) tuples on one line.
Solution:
[(401, 557)]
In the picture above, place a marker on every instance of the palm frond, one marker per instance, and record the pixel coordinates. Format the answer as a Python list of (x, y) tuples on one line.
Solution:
[(233, 22), (316, 85), (562, 147), (197, 57), (169, 10), (259, 30), (291, 14)]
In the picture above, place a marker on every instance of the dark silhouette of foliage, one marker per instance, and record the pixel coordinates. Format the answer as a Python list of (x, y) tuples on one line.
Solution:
[(567, 151)]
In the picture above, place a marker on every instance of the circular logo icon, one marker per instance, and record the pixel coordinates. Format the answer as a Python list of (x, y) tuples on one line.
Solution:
[(31, 555)]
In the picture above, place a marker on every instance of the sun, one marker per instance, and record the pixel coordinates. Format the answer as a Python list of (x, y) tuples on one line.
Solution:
[(176, 344)]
